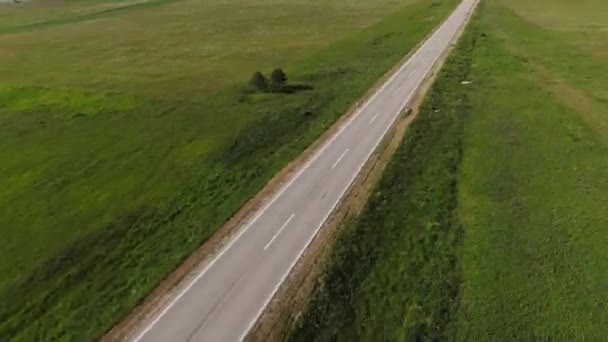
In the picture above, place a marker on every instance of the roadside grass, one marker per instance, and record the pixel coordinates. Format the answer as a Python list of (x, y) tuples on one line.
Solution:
[(533, 187), (490, 224), (124, 148), (393, 273)]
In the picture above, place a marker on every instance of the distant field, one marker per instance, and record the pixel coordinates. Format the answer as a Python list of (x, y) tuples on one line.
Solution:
[(491, 221), (129, 134)]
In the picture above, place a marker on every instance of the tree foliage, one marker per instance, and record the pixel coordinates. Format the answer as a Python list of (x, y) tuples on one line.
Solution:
[(278, 79), (259, 81)]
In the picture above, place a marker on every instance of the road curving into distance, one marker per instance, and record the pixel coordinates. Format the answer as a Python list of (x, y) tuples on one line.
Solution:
[(224, 298)]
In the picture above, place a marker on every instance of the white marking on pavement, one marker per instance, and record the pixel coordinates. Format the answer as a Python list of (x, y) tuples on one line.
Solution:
[(397, 90), (279, 231), (340, 158), (374, 118)]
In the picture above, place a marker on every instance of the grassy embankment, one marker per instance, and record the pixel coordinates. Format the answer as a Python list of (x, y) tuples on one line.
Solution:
[(127, 140), (491, 221)]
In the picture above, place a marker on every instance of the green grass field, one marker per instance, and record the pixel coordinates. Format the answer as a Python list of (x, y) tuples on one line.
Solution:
[(534, 187), (491, 221), (129, 134)]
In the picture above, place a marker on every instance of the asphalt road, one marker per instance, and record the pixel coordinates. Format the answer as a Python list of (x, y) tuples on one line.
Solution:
[(225, 298)]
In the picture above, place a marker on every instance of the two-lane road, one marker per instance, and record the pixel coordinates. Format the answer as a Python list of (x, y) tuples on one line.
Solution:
[(224, 299)]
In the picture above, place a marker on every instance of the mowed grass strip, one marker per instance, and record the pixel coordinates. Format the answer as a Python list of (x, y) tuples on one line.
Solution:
[(511, 243), (111, 178), (393, 274), (534, 183)]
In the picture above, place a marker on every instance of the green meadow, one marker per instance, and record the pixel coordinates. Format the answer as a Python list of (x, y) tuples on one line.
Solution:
[(129, 134)]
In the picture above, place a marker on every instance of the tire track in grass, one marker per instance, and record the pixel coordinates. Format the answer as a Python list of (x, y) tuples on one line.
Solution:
[(85, 17)]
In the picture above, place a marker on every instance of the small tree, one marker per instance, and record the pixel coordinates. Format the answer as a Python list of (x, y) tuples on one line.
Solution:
[(259, 81), (278, 79)]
